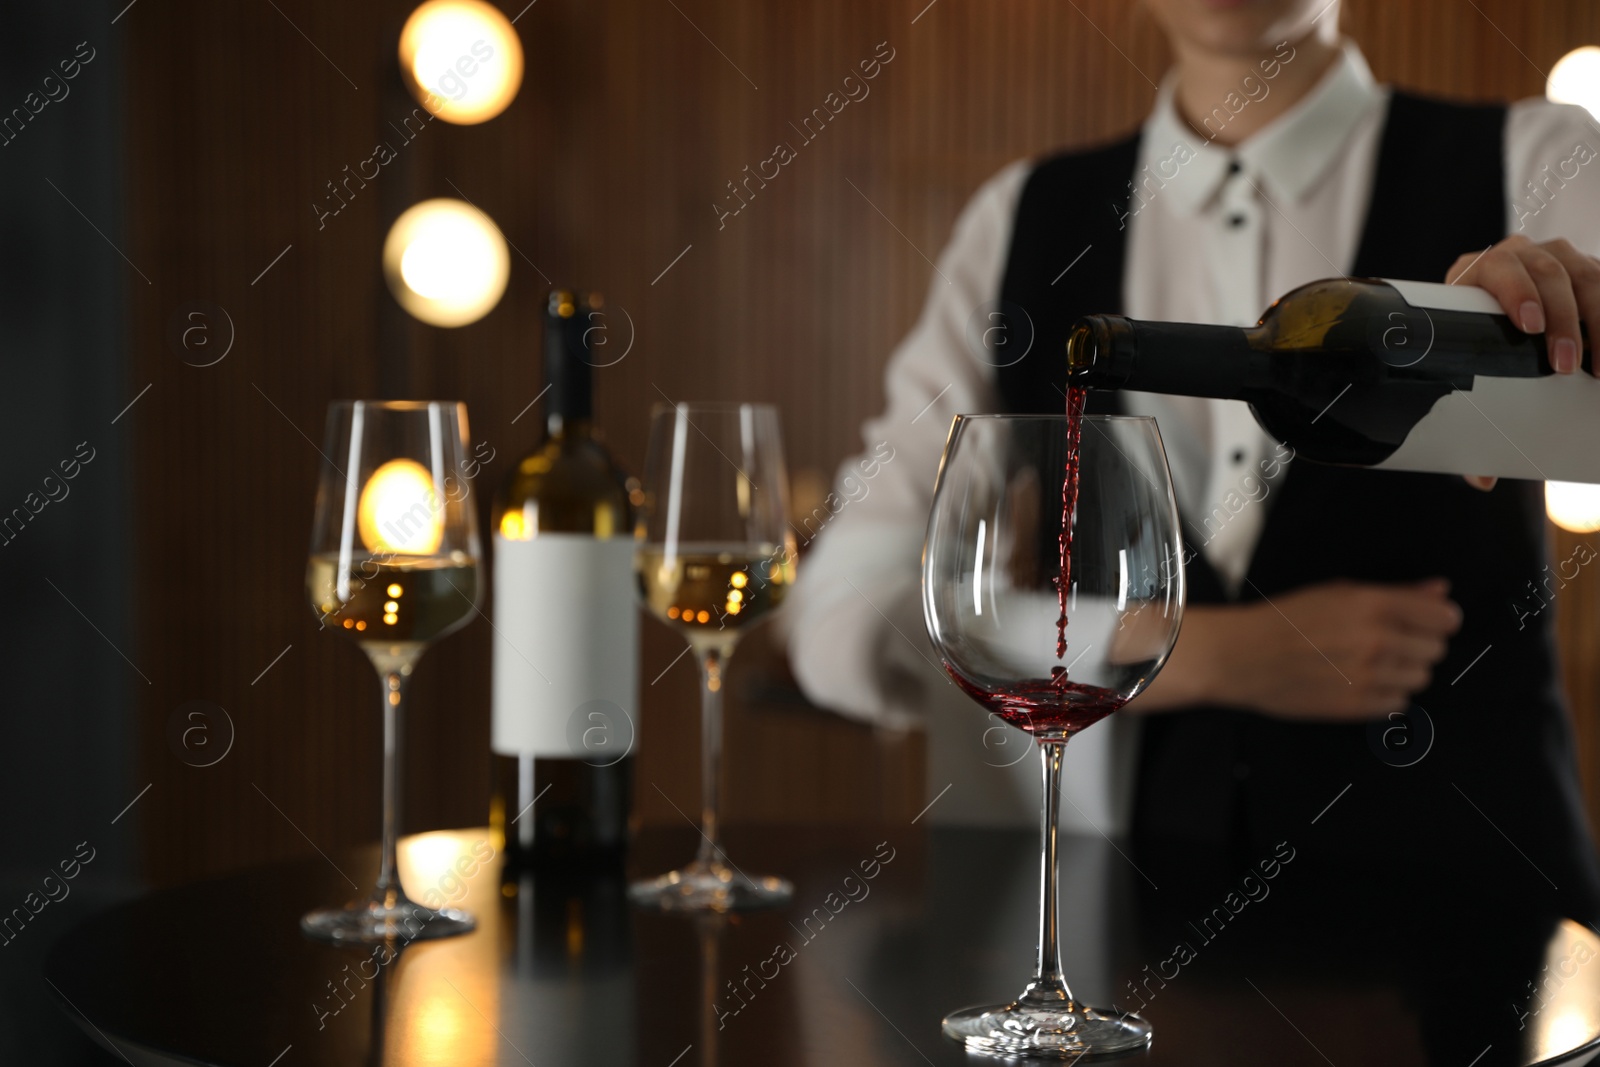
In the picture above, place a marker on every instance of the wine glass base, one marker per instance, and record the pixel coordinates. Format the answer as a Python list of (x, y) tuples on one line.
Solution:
[(373, 922), (710, 887), (1057, 1031)]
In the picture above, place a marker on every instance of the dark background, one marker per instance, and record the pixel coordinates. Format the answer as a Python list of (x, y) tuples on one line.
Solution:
[(188, 156), (69, 758)]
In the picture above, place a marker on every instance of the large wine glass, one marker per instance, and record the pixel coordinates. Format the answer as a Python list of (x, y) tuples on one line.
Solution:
[(1052, 587), (715, 555), (394, 565)]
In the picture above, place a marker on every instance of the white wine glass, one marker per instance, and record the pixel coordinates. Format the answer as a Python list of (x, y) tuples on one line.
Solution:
[(1052, 587), (394, 565), (715, 555)]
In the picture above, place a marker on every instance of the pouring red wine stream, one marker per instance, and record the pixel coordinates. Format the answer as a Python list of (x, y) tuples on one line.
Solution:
[(1058, 708), (1076, 397)]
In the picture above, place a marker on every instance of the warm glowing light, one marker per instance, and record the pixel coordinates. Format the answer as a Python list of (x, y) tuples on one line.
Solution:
[(511, 526), (436, 996), (349, 623), (1566, 1031), (399, 511), (672, 612), (575, 929), (702, 616), (1573, 506), (461, 59), (734, 607), (391, 618), (443, 1027), (361, 626), (734, 596), (426, 858), (391, 607), (1575, 79), (395, 590), (447, 262), (738, 580)]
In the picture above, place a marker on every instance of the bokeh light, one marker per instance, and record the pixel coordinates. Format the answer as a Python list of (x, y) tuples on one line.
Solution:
[(462, 59), (1573, 506), (1575, 79), (447, 262), (399, 511)]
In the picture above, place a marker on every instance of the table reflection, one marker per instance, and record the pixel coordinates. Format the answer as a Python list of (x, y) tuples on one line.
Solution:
[(564, 971)]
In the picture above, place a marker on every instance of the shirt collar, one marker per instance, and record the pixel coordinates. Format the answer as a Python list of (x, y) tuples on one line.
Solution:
[(1288, 156)]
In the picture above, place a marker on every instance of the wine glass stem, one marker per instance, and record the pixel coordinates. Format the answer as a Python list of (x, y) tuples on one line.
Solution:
[(394, 692), (710, 756), (1048, 983)]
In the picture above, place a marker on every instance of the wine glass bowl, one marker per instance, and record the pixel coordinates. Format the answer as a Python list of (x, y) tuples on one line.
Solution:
[(714, 556), (994, 612), (394, 566), (1053, 592)]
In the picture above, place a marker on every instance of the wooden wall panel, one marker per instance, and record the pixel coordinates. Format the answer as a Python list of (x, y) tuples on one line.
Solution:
[(629, 125)]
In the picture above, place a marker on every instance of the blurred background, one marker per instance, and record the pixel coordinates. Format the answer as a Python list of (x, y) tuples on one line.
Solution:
[(195, 223)]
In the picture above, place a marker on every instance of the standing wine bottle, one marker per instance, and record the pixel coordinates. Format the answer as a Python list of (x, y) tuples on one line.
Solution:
[(1392, 374), (566, 631)]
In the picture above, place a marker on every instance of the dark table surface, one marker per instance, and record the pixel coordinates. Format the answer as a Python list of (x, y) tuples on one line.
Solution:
[(568, 973)]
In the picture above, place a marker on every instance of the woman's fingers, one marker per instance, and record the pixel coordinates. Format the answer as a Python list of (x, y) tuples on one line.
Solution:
[(1545, 288), (1584, 274), (1500, 270), (1560, 302)]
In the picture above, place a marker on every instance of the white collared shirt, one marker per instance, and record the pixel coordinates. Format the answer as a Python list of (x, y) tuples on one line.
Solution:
[(1211, 245), (1283, 208)]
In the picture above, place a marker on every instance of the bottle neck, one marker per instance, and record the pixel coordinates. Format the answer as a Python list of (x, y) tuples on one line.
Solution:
[(569, 378), (1115, 352), (567, 428)]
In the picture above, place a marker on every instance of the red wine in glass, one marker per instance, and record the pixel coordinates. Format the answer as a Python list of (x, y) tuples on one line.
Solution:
[(1053, 710), (988, 589), (1058, 708)]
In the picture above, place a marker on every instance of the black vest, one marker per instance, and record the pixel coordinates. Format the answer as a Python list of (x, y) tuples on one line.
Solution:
[(1230, 784)]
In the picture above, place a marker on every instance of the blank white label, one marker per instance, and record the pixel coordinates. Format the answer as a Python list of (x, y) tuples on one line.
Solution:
[(1447, 297), (566, 635)]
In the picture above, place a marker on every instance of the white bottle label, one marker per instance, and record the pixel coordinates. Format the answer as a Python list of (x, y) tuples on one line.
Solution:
[(566, 648), (1544, 428), (1447, 297)]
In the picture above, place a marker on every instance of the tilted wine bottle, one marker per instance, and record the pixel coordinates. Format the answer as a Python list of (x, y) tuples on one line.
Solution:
[(1393, 374), (566, 631)]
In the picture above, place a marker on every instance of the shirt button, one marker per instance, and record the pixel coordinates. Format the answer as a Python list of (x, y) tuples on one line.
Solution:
[(1238, 456), (1233, 166), (1236, 221)]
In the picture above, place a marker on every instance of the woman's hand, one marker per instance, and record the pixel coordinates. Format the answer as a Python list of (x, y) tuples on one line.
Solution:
[(1547, 288), (1335, 652)]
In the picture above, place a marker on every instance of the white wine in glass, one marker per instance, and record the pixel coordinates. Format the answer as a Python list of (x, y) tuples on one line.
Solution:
[(715, 555), (394, 565), (712, 593)]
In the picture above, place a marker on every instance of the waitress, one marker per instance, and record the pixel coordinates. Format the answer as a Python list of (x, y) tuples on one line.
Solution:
[(1331, 598)]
